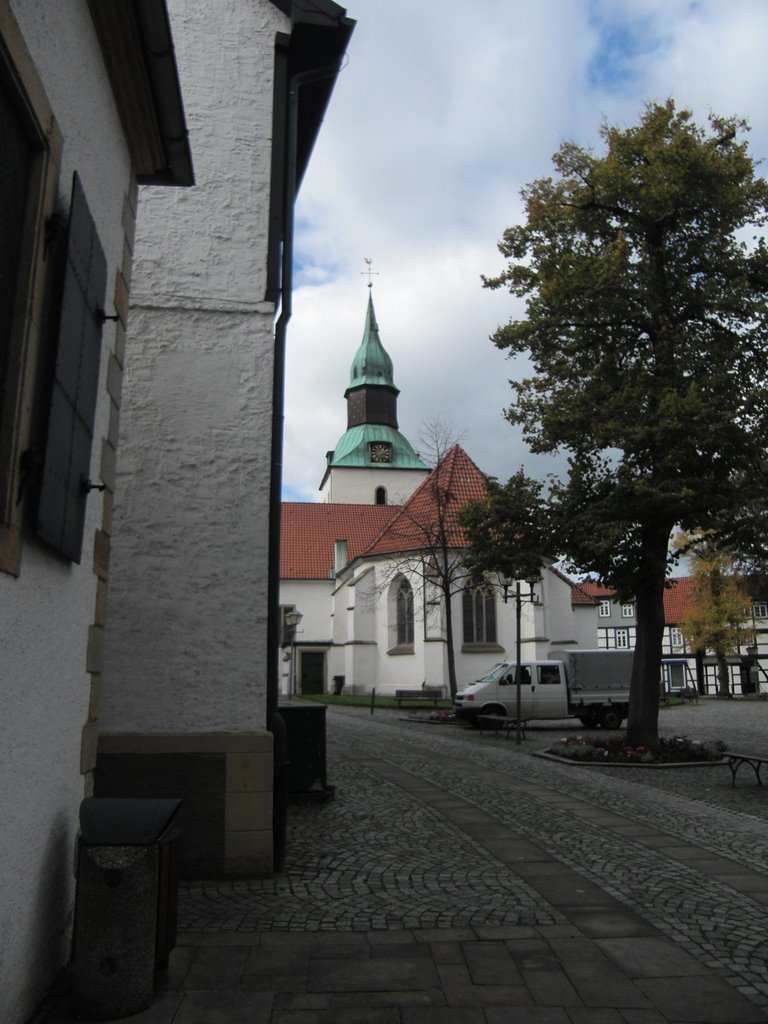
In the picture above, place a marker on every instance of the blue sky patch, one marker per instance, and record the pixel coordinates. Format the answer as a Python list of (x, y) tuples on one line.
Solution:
[(617, 64)]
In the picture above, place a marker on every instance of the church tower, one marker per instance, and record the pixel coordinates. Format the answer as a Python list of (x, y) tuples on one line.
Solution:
[(372, 463)]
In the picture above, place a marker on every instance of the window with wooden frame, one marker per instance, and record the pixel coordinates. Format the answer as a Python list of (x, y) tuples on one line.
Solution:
[(30, 153)]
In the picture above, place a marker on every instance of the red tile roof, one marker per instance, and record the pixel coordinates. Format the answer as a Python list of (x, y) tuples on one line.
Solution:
[(596, 590), (678, 597), (447, 489), (579, 595), (309, 531)]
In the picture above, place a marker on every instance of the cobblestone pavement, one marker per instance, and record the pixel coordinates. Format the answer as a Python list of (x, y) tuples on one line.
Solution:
[(683, 848), (456, 879)]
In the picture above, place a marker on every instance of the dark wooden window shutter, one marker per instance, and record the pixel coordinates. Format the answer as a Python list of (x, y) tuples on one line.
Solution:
[(61, 509)]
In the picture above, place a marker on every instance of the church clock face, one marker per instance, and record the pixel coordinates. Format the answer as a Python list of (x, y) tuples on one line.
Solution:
[(381, 451)]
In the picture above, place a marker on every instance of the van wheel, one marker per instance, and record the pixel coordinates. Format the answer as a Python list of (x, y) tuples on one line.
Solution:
[(495, 710), (588, 721), (610, 719)]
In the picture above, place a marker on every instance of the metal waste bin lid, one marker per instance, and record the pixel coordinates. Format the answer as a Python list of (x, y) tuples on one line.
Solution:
[(115, 821)]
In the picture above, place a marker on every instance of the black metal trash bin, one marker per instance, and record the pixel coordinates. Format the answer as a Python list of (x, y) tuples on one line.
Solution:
[(125, 905)]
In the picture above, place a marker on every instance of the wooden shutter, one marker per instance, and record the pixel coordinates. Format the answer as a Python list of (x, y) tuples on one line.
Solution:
[(61, 509)]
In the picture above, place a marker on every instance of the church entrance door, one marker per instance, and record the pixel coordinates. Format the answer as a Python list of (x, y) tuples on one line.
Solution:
[(312, 672)]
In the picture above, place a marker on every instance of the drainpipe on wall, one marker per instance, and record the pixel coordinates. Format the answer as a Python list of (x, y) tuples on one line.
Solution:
[(275, 721)]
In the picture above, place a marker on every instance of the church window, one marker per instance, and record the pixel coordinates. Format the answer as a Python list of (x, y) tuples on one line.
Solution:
[(381, 496), (479, 615), (404, 613)]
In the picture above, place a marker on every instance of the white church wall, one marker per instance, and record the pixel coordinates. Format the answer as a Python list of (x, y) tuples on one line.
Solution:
[(314, 599), (361, 668), (555, 622)]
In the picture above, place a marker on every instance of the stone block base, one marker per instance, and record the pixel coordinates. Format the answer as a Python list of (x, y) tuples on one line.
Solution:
[(224, 781)]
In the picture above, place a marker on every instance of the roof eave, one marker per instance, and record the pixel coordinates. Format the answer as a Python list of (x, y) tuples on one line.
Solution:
[(137, 46), (320, 34)]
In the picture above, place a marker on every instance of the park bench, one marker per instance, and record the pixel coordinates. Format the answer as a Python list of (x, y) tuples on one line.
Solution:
[(424, 693), (497, 724), (735, 761)]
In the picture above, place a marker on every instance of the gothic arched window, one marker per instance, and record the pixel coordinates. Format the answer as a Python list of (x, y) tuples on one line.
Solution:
[(381, 496), (479, 615), (404, 613)]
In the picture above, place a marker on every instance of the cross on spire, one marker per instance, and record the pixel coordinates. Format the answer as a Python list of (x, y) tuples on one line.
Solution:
[(368, 271)]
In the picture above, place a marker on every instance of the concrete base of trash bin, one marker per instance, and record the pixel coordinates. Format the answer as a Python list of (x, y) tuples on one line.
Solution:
[(115, 930)]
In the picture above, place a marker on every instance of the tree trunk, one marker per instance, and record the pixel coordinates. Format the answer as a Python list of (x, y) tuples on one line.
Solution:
[(643, 722), (449, 641), (723, 676)]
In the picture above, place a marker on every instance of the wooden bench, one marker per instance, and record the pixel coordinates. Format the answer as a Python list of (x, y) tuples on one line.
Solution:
[(498, 723), (424, 693), (735, 761)]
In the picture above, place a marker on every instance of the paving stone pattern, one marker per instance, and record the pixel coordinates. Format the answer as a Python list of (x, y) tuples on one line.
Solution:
[(457, 879), (373, 859), (379, 858)]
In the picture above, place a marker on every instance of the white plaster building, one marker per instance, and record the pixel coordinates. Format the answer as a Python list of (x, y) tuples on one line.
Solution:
[(357, 564), (187, 694), (86, 109)]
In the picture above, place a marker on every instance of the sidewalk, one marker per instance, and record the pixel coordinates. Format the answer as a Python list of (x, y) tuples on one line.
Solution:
[(456, 879)]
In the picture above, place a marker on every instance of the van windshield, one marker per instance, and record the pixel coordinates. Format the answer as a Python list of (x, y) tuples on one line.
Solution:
[(496, 671)]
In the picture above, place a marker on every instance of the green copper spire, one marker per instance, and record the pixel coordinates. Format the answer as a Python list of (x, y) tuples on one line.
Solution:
[(372, 364), (372, 438)]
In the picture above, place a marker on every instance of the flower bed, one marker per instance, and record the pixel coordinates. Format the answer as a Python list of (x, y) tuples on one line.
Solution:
[(671, 750)]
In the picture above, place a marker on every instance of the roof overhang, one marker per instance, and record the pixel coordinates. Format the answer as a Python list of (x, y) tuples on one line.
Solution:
[(307, 60), (320, 34), (136, 41)]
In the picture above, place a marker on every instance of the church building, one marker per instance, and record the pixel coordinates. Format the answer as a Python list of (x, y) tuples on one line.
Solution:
[(371, 569)]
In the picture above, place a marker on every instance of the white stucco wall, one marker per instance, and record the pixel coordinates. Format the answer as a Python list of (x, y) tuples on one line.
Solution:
[(186, 641), (45, 614)]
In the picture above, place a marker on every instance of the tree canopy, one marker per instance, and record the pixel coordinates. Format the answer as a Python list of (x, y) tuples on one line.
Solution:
[(508, 531), (645, 276)]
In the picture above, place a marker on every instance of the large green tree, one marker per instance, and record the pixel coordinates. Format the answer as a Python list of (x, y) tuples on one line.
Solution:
[(645, 278)]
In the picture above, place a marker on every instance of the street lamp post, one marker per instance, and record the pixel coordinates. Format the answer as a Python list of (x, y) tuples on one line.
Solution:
[(292, 620), (505, 584)]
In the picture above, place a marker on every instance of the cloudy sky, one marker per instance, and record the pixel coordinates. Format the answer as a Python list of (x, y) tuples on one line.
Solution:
[(441, 114)]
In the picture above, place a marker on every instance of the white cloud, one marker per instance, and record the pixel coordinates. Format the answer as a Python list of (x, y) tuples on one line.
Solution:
[(442, 113)]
